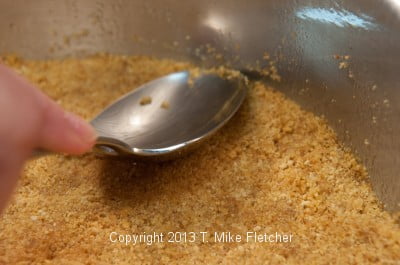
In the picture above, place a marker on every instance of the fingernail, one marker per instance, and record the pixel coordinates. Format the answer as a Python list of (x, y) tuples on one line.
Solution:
[(82, 129)]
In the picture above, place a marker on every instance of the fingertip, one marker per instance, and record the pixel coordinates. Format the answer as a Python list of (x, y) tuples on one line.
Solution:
[(66, 132), (82, 133)]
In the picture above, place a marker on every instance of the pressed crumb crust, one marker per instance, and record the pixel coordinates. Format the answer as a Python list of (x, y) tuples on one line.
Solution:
[(273, 168)]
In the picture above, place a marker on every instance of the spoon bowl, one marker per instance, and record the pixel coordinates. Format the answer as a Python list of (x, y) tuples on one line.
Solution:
[(169, 116)]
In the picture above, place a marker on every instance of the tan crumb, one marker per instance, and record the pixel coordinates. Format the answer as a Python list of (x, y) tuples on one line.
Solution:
[(221, 71), (274, 73), (165, 105), (343, 65), (145, 100), (273, 168), (386, 102), (76, 36)]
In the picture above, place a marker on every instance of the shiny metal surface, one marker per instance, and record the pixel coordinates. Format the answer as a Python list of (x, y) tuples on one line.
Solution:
[(361, 102), (149, 131)]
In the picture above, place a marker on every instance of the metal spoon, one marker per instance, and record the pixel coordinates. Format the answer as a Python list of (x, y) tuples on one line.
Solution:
[(179, 117)]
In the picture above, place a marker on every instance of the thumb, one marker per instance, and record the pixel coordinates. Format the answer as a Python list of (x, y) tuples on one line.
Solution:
[(10, 166), (62, 131), (37, 121), (29, 119)]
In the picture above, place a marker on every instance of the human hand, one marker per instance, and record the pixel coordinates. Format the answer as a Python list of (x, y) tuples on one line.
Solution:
[(28, 120)]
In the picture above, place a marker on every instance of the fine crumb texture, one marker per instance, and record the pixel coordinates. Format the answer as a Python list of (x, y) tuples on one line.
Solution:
[(221, 71), (146, 100), (274, 168)]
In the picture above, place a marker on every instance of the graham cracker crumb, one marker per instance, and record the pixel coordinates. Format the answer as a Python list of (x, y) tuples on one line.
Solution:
[(266, 56), (273, 168), (165, 105), (343, 65), (145, 100)]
